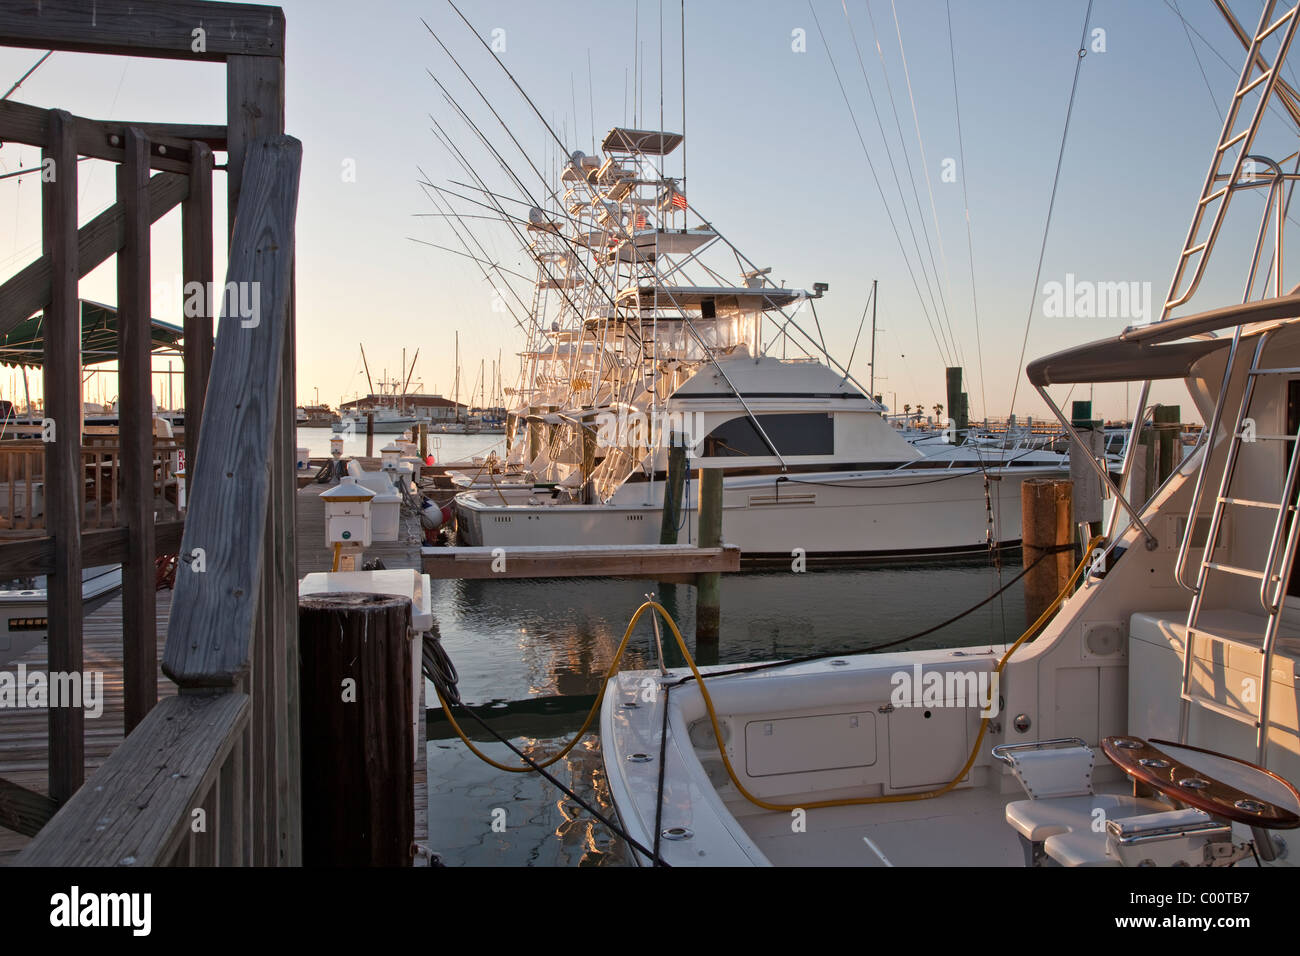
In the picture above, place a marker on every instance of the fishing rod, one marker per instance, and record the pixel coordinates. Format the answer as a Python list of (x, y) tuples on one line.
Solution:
[(469, 254)]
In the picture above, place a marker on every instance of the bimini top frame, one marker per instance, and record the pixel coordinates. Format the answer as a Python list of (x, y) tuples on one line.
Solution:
[(1156, 351), (1163, 350)]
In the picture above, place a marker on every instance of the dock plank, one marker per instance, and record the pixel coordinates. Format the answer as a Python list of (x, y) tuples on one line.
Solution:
[(562, 561)]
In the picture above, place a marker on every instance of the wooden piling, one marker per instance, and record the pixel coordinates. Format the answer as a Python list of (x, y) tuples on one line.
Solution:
[(423, 430), (1047, 509), (588, 459), (370, 434), (1145, 469), (534, 432), (1088, 489), (357, 736), (708, 589), (1167, 421), (672, 513)]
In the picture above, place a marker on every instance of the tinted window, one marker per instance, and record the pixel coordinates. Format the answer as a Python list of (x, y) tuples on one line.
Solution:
[(792, 434)]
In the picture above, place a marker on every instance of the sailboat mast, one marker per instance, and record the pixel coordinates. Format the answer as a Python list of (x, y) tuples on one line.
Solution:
[(366, 366), (872, 387)]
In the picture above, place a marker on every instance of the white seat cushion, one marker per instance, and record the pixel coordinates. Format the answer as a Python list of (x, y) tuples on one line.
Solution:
[(1079, 848), (1036, 820)]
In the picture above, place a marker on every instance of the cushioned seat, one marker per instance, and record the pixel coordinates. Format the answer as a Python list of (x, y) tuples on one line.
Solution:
[(1036, 820), (1077, 848)]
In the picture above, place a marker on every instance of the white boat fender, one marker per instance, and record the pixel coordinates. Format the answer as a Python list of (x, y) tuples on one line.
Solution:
[(432, 515)]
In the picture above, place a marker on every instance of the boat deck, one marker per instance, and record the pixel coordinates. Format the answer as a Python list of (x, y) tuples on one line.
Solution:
[(964, 828)]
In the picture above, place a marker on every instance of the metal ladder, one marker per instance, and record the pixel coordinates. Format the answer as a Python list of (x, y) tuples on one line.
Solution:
[(1257, 76), (1272, 578)]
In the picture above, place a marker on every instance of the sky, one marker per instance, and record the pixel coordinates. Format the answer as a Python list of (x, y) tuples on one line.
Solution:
[(773, 160)]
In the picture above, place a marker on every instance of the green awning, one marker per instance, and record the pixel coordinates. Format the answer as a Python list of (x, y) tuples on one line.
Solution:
[(25, 345)]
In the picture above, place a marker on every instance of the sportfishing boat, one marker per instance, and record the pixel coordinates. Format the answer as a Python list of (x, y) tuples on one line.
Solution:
[(835, 480), (1151, 721), (640, 355)]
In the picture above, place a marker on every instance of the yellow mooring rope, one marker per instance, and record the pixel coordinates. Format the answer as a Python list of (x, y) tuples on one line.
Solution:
[(717, 730)]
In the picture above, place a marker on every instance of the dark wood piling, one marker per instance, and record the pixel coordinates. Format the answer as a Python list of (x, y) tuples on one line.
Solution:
[(370, 434), (672, 513), (1167, 421), (708, 591), (357, 733), (1047, 508)]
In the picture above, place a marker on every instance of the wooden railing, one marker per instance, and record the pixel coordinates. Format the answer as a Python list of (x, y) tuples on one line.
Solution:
[(224, 750), (22, 484), (211, 775)]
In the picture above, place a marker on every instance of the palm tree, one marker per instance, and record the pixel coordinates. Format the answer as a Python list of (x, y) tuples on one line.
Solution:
[(938, 411), (907, 410)]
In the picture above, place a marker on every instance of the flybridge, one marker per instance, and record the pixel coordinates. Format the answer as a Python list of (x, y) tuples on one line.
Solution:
[(648, 142), (709, 298)]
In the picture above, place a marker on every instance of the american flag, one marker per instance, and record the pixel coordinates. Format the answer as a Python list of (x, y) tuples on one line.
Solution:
[(679, 199), (640, 220)]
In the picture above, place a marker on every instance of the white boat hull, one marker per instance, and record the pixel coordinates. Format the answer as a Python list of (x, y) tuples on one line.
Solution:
[(915, 512)]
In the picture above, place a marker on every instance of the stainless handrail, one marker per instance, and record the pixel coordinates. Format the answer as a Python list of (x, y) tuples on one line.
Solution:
[(1151, 540), (1003, 751)]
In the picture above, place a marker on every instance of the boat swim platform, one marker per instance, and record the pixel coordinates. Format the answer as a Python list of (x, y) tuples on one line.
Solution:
[(679, 563)]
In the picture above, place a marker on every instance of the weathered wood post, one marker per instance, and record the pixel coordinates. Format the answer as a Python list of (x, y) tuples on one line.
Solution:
[(534, 432), (1167, 421), (64, 487), (358, 775), (1145, 469), (370, 434), (708, 589), (139, 598), (424, 441), (672, 513), (957, 409), (1088, 489), (1046, 514), (588, 426)]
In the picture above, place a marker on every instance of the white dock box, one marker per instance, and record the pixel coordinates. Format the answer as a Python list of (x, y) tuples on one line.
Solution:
[(347, 513), (385, 514)]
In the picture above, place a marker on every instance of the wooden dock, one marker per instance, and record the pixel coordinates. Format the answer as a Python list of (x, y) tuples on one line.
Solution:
[(24, 733), (664, 562)]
